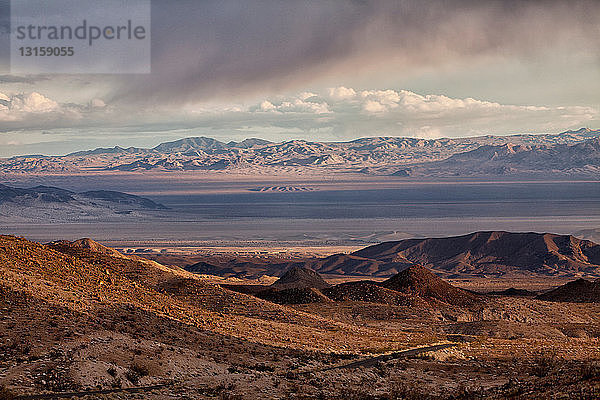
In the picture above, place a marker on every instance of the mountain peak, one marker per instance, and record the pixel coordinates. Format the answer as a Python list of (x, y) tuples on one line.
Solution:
[(300, 278), (422, 282), (89, 245)]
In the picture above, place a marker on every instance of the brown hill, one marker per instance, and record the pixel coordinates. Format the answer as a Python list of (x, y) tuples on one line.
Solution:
[(493, 252), (370, 292), (300, 278), (578, 291), (421, 282), (352, 264), (89, 244), (84, 281), (293, 296)]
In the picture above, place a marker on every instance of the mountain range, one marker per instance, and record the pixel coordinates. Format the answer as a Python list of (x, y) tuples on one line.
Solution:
[(568, 153)]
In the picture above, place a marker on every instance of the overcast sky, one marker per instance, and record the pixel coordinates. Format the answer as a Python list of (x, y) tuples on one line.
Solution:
[(324, 70)]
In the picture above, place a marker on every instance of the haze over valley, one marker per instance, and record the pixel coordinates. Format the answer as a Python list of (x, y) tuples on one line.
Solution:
[(345, 200)]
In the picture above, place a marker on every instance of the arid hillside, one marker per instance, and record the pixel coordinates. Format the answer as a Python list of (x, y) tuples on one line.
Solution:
[(78, 318)]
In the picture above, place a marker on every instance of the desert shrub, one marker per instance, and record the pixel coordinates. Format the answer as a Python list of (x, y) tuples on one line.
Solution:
[(466, 393), (401, 390), (136, 371), (262, 368), (132, 376), (140, 369), (230, 396), (6, 394), (116, 383), (234, 369), (513, 389), (225, 392), (544, 364), (589, 370)]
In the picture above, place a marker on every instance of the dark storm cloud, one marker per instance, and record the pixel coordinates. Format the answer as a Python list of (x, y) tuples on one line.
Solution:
[(224, 48)]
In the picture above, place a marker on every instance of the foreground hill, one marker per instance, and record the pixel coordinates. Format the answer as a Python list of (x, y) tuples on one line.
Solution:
[(71, 275), (77, 318)]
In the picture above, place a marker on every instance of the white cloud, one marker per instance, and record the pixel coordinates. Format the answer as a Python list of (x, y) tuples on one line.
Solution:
[(374, 107), (342, 93), (33, 110), (303, 103), (341, 113), (354, 113), (26, 103)]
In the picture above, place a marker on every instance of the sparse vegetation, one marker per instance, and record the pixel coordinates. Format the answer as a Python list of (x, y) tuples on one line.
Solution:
[(248, 348), (6, 393), (544, 364), (590, 370)]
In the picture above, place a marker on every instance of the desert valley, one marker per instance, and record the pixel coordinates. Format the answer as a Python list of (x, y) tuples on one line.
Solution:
[(300, 200), (286, 284)]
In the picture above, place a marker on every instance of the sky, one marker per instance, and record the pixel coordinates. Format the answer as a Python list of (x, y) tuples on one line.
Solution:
[(324, 71)]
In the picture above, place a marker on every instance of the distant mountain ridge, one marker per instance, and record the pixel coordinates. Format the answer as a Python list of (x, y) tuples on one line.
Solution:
[(566, 154), (51, 204), (49, 194)]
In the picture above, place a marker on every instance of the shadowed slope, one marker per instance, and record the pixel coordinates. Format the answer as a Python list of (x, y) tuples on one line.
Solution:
[(300, 278), (493, 252), (370, 292), (421, 282), (578, 291)]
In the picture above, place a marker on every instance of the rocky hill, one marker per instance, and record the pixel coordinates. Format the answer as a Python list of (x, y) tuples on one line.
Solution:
[(480, 254), (578, 291), (370, 292), (300, 278), (77, 278), (421, 282)]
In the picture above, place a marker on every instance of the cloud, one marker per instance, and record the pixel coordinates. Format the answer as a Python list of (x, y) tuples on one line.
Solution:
[(341, 93), (33, 110), (354, 113), (335, 113), (20, 106), (347, 113), (308, 103), (214, 49)]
